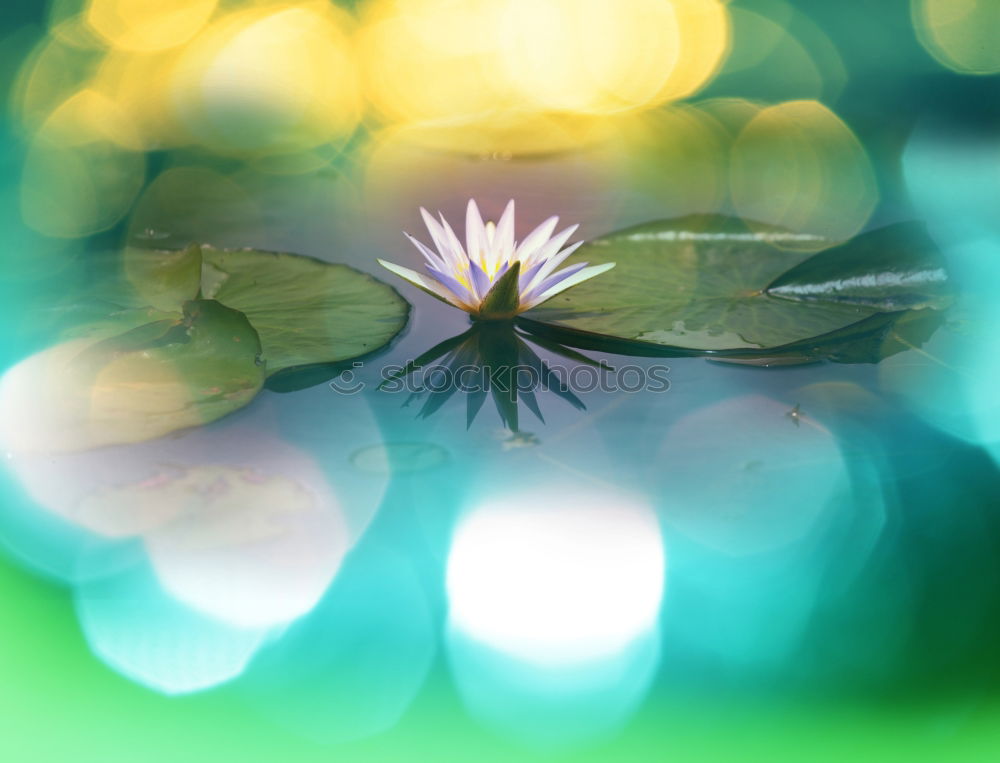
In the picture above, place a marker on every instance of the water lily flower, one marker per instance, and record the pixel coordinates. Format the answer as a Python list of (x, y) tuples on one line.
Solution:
[(494, 277)]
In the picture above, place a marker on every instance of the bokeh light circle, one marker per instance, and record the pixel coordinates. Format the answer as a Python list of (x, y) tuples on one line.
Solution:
[(276, 79), (799, 166), (556, 576), (148, 25), (960, 34)]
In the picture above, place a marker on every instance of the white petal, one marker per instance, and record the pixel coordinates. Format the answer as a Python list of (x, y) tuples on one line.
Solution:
[(479, 281), (452, 240), (535, 240), (465, 294), (503, 241), (424, 282), (490, 230), (475, 233), (440, 238), (429, 254), (550, 265), (552, 280), (573, 280), (553, 245)]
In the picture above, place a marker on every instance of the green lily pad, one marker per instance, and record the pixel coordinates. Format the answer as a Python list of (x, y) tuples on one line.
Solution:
[(103, 321), (142, 383), (707, 284), (153, 341), (867, 341), (889, 269), (119, 291), (166, 279), (310, 315), (173, 374), (306, 311)]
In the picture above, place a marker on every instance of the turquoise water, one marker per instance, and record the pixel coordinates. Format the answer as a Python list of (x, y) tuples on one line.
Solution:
[(805, 535), (733, 563)]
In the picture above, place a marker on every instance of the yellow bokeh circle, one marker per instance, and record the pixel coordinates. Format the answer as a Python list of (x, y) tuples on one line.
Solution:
[(447, 62), (960, 34), (147, 25), (799, 166), (83, 168), (276, 79)]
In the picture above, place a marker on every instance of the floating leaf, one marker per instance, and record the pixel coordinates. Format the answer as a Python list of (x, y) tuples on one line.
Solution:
[(105, 321), (868, 341), (700, 285), (306, 311), (893, 268), (313, 317), (171, 375), (118, 291), (164, 280), (143, 383)]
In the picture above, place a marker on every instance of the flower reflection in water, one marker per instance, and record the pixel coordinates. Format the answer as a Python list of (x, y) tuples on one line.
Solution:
[(492, 359)]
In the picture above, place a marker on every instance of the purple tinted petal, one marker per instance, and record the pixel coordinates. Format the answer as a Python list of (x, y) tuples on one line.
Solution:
[(527, 275), (429, 255), (480, 281), (553, 245), (474, 235), (566, 283), (437, 235), (449, 283), (536, 239), (549, 264), (554, 279), (453, 242)]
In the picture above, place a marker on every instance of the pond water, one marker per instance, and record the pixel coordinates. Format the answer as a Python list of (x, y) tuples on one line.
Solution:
[(676, 559), (790, 554)]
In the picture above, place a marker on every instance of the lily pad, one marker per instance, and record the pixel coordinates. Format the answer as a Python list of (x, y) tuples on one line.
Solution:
[(148, 381), (868, 341), (104, 321), (165, 280), (305, 311), (310, 315), (154, 341), (170, 375), (892, 268), (707, 284), (119, 291)]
